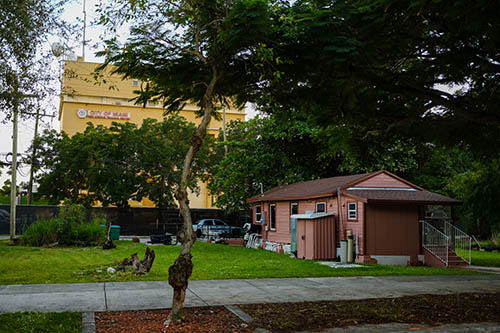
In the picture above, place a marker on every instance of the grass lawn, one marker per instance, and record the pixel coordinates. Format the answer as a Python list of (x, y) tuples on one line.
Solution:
[(24, 322), (25, 265), (485, 258)]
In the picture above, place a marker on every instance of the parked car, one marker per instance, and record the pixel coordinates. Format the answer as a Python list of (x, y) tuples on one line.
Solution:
[(215, 227)]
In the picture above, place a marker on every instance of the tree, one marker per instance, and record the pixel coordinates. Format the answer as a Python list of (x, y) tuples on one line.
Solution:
[(266, 152), (117, 164), (24, 65), (263, 153), (161, 156), (478, 188), (386, 67), (195, 51)]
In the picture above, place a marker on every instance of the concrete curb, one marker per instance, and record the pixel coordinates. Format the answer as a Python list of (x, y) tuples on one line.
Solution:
[(88, 322), (240, 313), (237, 311)]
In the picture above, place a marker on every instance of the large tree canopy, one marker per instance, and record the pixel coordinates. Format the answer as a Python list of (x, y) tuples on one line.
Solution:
[(117, 164), (264, 152), (425, 69)]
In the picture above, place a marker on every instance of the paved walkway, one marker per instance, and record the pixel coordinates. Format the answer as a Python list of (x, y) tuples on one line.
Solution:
[(152, 295)]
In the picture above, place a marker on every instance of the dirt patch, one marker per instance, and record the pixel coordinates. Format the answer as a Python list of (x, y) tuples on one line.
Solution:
[(423, 309), (207, 319)]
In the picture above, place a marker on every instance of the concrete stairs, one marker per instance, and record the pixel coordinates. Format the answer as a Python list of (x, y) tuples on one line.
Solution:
[(454, 260)]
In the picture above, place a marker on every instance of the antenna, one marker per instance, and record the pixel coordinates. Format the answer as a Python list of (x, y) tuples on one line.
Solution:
[(84, 28)]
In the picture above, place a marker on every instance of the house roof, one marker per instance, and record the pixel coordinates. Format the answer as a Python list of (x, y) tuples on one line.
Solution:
[(398, 196), (308, 189), (328, 187)]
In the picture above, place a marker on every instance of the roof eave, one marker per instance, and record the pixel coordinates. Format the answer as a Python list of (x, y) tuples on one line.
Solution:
[(291, 198), (416, 202)]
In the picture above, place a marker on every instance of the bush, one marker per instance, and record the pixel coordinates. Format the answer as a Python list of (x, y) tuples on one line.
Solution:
[(70, 228)]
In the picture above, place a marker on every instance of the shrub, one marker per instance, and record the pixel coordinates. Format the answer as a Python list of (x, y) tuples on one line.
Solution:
[(42, 233), (70, 228)]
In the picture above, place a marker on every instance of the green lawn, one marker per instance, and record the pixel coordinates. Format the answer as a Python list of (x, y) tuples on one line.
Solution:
[(36, 322), (485, 258), (25, 265)]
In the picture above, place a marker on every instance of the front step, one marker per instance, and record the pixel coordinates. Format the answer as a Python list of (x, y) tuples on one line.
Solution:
[(453, 259)]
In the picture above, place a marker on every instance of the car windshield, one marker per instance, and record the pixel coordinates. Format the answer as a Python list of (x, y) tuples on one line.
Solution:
[(207, 222)]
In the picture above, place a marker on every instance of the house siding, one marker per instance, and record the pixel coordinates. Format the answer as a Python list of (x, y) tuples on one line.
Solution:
[(356, 226), (382, 180), (282, 233)]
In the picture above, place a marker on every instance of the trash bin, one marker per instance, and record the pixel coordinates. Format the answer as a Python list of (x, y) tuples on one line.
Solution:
[(114, 233)]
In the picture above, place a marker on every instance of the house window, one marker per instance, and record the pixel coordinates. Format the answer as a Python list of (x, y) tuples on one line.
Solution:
[(294, 208), (257, 214), (272, 217), (320, 207), (135, 83), (352, 212)]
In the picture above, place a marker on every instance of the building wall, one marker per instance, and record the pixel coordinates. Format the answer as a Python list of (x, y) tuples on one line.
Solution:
[(82, 96), (282, 233)]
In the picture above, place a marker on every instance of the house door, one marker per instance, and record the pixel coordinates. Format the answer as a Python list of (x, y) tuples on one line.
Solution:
[(392, 230)]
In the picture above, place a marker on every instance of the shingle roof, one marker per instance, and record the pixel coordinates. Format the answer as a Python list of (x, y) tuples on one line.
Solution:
[(328, 187), (417, 197), (309, 189)]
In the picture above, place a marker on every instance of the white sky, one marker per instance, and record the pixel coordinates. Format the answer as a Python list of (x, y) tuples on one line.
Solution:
[(73, 11)]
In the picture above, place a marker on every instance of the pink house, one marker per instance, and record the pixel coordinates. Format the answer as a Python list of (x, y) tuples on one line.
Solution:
[(381, 210)]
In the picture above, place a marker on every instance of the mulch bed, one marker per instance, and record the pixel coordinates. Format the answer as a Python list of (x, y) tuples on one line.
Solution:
[(422, 309), (206, 319), (285, 317)]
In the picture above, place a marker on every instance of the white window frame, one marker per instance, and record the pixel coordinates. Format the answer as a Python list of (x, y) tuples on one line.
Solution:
[(320, 203), (135, 83), (294, 204), (271, 216), (258, 214), (352, 210)]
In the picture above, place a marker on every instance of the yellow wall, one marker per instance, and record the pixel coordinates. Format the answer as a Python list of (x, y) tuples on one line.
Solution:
[(80, 92)]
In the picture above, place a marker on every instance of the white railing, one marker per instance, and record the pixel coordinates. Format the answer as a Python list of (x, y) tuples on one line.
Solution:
[(460, 242), (435, 242)]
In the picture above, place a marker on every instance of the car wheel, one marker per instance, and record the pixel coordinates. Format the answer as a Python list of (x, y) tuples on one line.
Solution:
[(198, 233)]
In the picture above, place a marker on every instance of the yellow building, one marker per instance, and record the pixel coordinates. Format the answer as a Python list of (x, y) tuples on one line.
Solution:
[(83, 101)]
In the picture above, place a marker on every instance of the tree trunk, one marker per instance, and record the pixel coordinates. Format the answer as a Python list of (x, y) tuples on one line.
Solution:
[(180, 271)]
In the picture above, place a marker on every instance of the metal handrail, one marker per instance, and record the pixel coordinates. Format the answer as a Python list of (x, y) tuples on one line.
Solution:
[(460, 241), (435, 242)]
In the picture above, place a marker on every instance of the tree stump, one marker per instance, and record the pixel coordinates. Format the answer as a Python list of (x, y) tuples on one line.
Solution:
[(140, 266)]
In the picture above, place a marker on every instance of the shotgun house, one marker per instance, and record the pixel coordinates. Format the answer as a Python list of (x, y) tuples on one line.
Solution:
[(383, 212)]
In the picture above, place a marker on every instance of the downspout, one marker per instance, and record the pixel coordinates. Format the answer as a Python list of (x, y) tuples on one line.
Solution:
[(341, 221)]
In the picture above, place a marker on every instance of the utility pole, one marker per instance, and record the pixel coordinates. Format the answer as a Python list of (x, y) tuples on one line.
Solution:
[(15, 108), (13, 183), (33, 154)]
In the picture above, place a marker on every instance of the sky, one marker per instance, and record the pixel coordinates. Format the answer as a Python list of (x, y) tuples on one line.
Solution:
[(73, 13)]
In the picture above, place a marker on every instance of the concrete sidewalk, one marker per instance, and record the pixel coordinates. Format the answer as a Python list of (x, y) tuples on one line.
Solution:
[(114, 296)]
